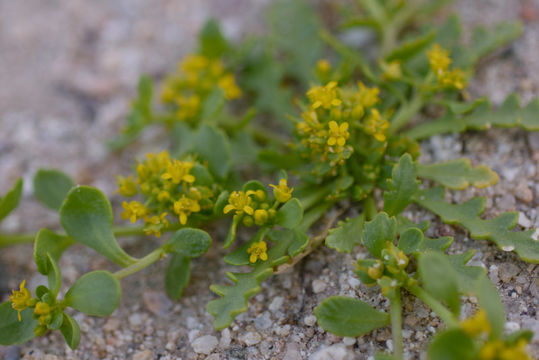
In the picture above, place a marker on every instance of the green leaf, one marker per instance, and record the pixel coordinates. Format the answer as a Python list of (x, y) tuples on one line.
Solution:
[(509, 114), (212, 145), (486, 40), (452, 344), (177, 275), (240, 256), (189, 242), (11, 200), (95, 293), (345, 316), (211, 39), (496, 230), (51, 187), (489, 300), (49, 243), (402, 186), (71, 331), (54, 276), (13, 331), (458, 174), (86, 216), (346, 235), (410, 241), (411, 48), (231, 234), (466, 275), (378, 232), (233, 298), (220, 203), (254, 185), (439, 278), (290, 214), (213, 105)]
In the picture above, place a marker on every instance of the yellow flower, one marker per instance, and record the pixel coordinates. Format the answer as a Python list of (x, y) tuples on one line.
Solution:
[(193, 63), (258, 250), (282, 192), (239, 201), (337, 133), (376, 125), (185, 207), (133, 211), (154, 224), (498, 350), (439, 59), (19, 299), (325, 96), (261, 217), (127, 186), (188, 106), (367, 97), (178, 171), (323, 66), (454, 78), (228, 84), (391, 70), (42, 308), (476, 325)]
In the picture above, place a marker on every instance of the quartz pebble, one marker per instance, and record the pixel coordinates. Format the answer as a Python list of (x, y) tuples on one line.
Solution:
[(204, 344), (251, 338), (310, 320), (142, 355), (333, 352), (319, 286)]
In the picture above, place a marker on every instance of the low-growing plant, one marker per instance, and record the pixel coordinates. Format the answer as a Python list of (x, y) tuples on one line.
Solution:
[(351, 141)]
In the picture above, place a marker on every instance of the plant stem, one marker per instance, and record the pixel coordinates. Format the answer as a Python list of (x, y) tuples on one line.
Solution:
[(436, 306), (14, 239), (395, 310), (142, 263)]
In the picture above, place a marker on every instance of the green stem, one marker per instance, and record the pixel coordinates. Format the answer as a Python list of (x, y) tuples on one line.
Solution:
[(395, 310), (14, 239), (406, 112), (142, 263), (436, 306)]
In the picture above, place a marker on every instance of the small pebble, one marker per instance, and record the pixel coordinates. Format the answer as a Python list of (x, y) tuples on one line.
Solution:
[(225, 339), (348, 341), (333, 352), (251, 338), (507, 271), (276, 303), (135, 319), (310, 320), (319, 286), (142, 355), (524, 221), (204, 344)]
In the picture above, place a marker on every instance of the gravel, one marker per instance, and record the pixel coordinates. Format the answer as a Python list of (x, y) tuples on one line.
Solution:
[(72, 69)]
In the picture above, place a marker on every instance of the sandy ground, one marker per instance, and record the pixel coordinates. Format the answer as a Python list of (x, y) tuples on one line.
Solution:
[(68, 70)]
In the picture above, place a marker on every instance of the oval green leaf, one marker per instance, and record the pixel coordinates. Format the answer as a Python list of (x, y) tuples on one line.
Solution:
[(48, 242), (189, 242), (290, 214), (345, 316), (177, 275), (51, 187), (86, 216), (11, 200), (96, 293), (410, 240), (13, 331), (71, 331)]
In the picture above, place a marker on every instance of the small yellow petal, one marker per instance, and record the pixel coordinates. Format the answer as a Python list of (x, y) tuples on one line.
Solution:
[(249, 210), (228, 209), (264, 256)]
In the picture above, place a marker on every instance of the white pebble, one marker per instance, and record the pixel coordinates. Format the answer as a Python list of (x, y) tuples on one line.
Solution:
[(524, 221), (276, 303), (251, 338), (318, 286), (204, 344), (310, 320), (512, 326), (348, 341), (225, 339)]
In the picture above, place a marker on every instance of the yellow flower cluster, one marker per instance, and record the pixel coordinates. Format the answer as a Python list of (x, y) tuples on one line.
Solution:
[(258, 250), (478, 327), (195, 78), (439, 61), (21, 299), (332, 112), (168, 186)]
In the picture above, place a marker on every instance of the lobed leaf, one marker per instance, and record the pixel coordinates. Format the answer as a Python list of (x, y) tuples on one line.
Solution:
[(51, 187), (497, 230), (290, 214), (410, 241), (346, 316), (346, 235), (467, 276), (234, 298), (458, 174), (402, 186), (378, 232), (509, 114), (86, 216)]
